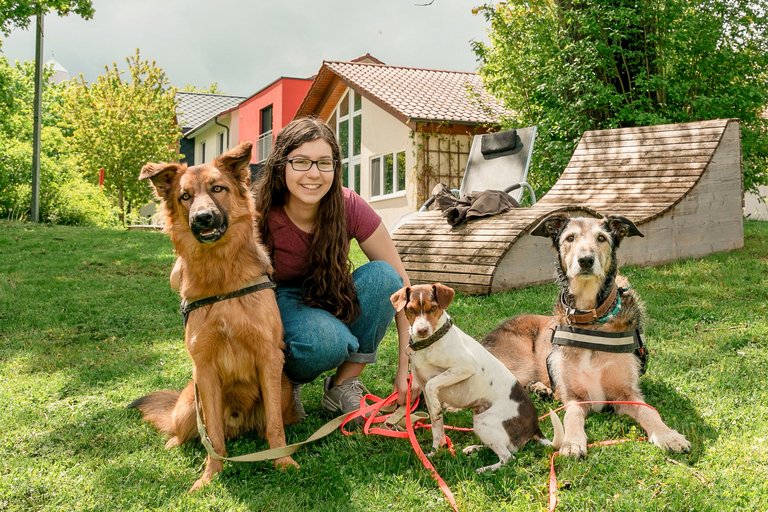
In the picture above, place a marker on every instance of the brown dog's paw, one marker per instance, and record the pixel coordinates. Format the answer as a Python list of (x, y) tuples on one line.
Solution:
[(573, 450), (199, 484), (284, 463), (204, 480), (671, 440)]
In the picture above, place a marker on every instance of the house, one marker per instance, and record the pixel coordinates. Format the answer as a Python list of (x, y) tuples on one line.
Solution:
[(756, 204), (402, 130), (263, 114), (213, 123), (206, 124)]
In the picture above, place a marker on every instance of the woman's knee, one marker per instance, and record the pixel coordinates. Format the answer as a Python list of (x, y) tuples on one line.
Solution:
[(317, 347), (378, 276)]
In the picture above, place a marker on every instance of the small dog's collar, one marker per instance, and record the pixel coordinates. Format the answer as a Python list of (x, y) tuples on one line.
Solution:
[(575, 316), (260, 283), (421, 344)]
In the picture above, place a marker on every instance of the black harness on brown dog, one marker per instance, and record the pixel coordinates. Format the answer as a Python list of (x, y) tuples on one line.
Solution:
[(263, 282)]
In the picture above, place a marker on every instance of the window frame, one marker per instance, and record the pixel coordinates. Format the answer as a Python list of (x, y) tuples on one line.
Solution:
[(351, 102), (379, 163)]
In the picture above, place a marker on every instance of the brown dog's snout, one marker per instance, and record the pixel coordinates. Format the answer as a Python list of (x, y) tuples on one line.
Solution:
[(208, 224), (205, 219)]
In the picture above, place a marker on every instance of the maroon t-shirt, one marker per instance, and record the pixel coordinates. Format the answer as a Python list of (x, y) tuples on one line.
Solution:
[(291, 244)]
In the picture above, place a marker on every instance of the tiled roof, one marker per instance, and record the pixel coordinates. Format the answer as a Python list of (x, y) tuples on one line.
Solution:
[(195, 108), (412, 94)]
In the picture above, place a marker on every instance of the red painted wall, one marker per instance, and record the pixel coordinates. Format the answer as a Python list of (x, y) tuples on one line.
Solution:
[(284, 94)]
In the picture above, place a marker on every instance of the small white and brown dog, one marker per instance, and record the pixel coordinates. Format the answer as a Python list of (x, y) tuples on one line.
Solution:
[(456, 372)]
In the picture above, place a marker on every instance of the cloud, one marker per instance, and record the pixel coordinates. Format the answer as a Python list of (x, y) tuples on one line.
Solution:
[(244, 45)]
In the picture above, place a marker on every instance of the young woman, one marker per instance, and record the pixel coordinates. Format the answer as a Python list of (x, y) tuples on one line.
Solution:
[(334, 318)]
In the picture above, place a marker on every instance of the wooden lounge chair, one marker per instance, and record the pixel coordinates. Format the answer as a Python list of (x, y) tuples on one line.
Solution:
[(680, 183)]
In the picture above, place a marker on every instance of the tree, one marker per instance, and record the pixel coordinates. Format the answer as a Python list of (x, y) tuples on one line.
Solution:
[(18, 13), (64, 197), (575, 65), (119, 125)]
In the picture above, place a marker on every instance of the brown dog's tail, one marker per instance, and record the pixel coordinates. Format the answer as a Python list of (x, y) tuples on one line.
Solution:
[(157, 409)]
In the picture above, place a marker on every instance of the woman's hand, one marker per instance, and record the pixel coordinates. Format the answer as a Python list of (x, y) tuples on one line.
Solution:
[(401, 385)]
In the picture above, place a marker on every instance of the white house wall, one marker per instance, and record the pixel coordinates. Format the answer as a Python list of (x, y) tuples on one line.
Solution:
[(382, 134), (210, 135), (756, 206)]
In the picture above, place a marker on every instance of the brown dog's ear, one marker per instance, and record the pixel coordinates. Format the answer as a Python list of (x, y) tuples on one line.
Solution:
[(161, 176), (236, 161), (400, 298), (444, 294), (621, 227), (551, 226)]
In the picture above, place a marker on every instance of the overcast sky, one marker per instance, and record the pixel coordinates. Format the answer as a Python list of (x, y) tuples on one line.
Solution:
[(243, 45)]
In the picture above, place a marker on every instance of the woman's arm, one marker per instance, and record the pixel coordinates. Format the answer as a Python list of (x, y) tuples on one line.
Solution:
[(379, 246)]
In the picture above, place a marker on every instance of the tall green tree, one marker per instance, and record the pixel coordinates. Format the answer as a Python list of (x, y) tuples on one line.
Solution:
[(575, 65), (19, 13), (119, 123), (64, 197)]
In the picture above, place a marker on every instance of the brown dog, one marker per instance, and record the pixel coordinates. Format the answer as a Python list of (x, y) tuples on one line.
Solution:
[(592, 348), (236, 344)]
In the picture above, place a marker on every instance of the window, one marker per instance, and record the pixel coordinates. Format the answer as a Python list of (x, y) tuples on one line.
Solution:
[(221, 143), (202, 152), (388, 174), (347, 122), (264, 144)]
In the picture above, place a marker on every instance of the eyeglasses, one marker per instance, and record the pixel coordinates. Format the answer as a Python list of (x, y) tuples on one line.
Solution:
[(305, 164)]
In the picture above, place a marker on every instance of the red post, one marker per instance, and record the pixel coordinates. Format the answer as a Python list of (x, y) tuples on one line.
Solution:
[(101, 178)]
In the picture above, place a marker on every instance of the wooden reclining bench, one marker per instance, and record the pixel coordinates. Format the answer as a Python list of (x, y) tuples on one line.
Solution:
[(680, 183)]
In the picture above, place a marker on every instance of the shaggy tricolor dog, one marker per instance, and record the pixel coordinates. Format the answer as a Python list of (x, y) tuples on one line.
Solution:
[(592, 348), (233, 330)]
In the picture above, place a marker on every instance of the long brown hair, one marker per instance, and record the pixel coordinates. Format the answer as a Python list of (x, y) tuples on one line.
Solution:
[(329, 285)]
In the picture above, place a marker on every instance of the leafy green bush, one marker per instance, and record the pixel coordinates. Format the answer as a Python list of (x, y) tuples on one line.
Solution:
[(78, 203)]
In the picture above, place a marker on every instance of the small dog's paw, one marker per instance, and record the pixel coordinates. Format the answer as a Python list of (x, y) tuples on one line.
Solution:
[(472, 449), (573, 450), (671, 440), (540, 389)]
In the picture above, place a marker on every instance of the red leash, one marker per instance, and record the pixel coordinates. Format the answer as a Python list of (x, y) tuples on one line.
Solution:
[(552, 475), (372, 414)]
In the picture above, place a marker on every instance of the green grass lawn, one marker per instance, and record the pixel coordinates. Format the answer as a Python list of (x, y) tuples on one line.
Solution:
[(88, 323)]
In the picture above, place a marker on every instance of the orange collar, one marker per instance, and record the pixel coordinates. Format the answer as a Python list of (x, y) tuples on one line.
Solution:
[(575, 316)]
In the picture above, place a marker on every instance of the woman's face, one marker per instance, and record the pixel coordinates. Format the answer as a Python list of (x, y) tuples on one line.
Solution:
[(308, 187)]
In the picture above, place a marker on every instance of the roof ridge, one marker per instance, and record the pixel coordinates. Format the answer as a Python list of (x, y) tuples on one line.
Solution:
[(210, 94), (399, 67)]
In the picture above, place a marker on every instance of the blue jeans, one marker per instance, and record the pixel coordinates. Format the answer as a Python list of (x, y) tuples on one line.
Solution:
[(316, 341)]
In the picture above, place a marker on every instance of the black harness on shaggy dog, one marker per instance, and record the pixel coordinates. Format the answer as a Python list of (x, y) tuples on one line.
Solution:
[(578, 334)]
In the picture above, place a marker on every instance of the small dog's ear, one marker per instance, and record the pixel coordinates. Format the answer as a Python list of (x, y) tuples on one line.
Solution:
[(551, 226), (621, 227), (236, 161), (400, 298), (443, 294), (161, 176)]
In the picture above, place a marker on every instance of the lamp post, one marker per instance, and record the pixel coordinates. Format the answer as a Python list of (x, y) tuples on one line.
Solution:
[(37, 108)]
